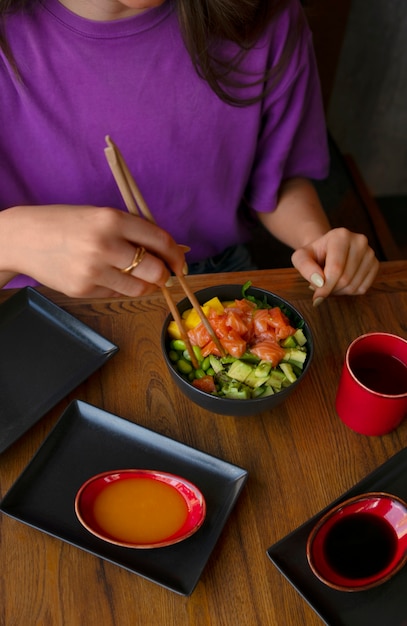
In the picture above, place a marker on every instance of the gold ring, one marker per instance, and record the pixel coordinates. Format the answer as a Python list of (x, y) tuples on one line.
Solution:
[(138, 257)]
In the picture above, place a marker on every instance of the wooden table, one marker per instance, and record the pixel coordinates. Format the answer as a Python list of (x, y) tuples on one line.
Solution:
[(299, 457)]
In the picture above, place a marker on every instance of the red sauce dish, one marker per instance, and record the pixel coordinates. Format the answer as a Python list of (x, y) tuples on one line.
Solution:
[(140, 508), (361, 543)]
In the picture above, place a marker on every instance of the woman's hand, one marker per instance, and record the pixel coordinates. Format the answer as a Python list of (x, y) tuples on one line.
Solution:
[(334, 261), (82, 250), (340, 262)]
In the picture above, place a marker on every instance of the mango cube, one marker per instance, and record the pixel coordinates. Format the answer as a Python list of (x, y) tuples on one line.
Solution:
[(173, 330), (193, 318), (216, 304)]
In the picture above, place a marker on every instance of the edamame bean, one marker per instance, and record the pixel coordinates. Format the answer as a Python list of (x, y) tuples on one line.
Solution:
[(178, 344), (186, 355), (198, 353), (183, 366), (206, 363)]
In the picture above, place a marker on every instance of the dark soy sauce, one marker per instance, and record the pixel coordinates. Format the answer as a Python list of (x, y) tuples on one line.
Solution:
[(382, 373), (360, 545)]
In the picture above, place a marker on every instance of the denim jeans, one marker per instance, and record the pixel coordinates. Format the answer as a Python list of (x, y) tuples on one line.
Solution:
[(233, 259)]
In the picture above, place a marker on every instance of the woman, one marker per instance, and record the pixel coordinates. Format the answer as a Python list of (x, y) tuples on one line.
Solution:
[(215, 106)]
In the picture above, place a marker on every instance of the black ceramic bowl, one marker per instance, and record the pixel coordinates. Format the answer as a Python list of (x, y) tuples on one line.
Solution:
[(228, 406)]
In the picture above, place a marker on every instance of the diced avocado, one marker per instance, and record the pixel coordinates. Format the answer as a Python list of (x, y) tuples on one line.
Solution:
[(249, 357), (295, 355), (288, 371), (225, 360), (239, 370), (289, 342), (300, 338)]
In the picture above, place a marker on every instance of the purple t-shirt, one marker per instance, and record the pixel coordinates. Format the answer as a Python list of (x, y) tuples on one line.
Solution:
[(193, 156)]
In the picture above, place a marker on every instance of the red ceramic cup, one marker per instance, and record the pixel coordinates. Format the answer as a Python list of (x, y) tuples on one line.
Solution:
[(372, 392), (360, 543)]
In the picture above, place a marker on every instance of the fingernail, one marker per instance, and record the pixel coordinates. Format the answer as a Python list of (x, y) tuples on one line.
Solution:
[(318, 301), (169, 282), (185, 269), (317, 280), (184, 248), (311, 287)]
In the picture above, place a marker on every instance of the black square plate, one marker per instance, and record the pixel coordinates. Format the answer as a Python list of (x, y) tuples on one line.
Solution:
[(44, 354), (87, 440), (384, 605)]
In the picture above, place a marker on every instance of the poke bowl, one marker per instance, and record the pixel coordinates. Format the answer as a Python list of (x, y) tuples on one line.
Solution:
[(265, 359)]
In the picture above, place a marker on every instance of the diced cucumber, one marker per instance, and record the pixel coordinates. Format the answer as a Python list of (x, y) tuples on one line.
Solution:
[(216, 364), (288, 371), (276, 381), (300, 338), (263, 391), (295, 355), (297, 367), (263, 369), (241, 394), (257, 393), (237, 393), (268, 391), (255, 381)]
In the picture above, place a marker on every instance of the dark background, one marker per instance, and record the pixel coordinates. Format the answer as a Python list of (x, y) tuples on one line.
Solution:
[(362, 61)]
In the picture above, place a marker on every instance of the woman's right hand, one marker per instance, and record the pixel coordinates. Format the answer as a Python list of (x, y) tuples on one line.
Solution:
[(82, 250)]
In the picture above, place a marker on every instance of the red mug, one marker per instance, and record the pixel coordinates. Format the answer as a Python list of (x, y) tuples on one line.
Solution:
[(372, 392)]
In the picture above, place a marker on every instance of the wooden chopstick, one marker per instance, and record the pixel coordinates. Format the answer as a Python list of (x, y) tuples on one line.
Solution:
[(113, 154), (119, 174), (135, 204)]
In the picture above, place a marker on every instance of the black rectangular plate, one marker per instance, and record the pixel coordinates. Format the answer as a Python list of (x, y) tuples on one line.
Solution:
[(44, 354), (385, 605), (87, 440)]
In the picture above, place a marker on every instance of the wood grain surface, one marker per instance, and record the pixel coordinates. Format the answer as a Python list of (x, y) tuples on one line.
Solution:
[(299, 457)]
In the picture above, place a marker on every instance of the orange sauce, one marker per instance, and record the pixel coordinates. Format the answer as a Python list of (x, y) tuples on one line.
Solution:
[(140, 510)]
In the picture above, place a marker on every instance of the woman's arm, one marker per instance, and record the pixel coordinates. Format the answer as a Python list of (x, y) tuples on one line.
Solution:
[(299, 217), (81, 250), (5, 277), (332, 260)]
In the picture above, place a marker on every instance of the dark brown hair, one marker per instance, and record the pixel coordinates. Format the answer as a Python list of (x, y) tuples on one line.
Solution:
[(204, 24)]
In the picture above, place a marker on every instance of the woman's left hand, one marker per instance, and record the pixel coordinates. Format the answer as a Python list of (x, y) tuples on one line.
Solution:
[(340, 262)]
